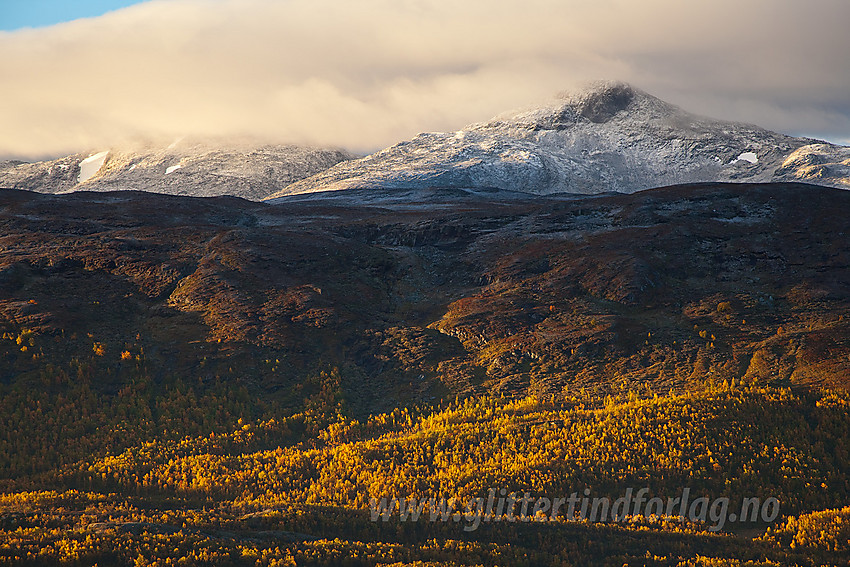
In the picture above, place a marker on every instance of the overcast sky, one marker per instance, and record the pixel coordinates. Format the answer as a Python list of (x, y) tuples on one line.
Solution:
[(364, 74)]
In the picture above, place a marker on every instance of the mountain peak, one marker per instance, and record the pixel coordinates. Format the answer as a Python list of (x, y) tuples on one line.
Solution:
[(600, 101), (594, 103), (606, 136)]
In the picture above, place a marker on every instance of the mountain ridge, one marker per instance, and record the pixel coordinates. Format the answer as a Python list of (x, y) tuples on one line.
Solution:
[(608, 137), (244, 168)]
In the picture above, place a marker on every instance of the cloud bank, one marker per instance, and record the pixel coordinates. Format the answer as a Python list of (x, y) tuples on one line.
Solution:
[(363, 74)]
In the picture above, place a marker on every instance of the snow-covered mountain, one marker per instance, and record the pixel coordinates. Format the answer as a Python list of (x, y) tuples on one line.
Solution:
[(609, 137), (199, 168)]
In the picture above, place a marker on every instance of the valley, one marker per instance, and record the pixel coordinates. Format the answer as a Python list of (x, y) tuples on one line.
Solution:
[(222, 381)]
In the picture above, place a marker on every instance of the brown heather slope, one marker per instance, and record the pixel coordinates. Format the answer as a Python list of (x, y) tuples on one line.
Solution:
[(448, 293)]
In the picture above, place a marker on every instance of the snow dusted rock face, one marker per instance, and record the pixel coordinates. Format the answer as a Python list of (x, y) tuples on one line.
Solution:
[(204, 169), (610, 137)]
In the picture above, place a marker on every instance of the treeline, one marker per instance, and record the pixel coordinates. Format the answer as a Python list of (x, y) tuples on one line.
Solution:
[(295, 489), (74, 528), (735, 442), (61, 414)]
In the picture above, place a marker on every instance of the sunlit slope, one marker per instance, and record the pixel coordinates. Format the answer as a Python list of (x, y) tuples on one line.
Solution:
[(125, 315), (297, 490)]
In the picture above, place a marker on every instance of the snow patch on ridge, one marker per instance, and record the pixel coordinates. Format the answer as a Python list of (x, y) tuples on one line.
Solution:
[(91, 165), (173, 168), (748, 156)]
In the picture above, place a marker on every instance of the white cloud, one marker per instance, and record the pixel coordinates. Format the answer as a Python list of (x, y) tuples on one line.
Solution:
[(367, 73)]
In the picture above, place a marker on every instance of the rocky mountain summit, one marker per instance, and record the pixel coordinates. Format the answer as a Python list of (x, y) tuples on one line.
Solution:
[(609, 137), (186, 167)]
